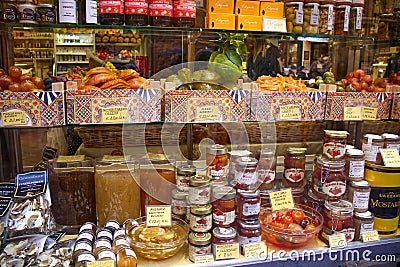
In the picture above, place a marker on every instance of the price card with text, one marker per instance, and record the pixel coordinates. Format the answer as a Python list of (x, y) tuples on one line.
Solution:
[(13, 118), (158, 215), (274, 25), (255, 250), (106, 263), (113, 158), (116, 114), (70, 158), (207, 113), (199, 259), (227, 251), (289, 112), (390, 157), (369, 113), (370, 236), (337, 241), (282, 199), (352, 113)]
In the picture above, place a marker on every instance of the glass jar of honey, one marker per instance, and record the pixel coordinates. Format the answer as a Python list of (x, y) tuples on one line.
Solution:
[(370, 146), (294, 167), (248, 204), (217, 162), (355, 163), (334, 144), (267, 169), (224, 206), (246, 174), (126, 257)]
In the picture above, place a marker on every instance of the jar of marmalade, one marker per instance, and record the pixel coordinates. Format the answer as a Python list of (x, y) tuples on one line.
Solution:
[(267, 169), (248, 232), (370, 146), (246, 175), (314, 202), (391, 141), (328, 179), (355, 163), (200, 218), (217, 162), (358, 194), (248, 204), (233, 158), (112, 12), (294, 167), (334, 144), (199, 190), (338, 218), (224, 206), (223, 236), (199, 244), (183, 173)]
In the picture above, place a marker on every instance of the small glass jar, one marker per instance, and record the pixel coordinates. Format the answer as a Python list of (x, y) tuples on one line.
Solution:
[(183, 175), (100, 244), (314, 201), (112, 226), (248, 204), (119, 243), (199, 190), (391, 141), (201, 218), (311, 18), (223, 236), (105, 233), (342, 19), (334, 144), (328, 179), (326, 19), (355, 163), (370, 146), (199, 244), (248, 232), (86, 235), (233, 158), (294, 17), (126, 257), (363, 222), (358, 194), (10, 11), (338, 218), (119, 233), (294, 167), (88, 226), (356, 19), (179, 203), (80, 247), (106, 254), (83, 258), (267, 169), (224, 206), (246, 175), (217, 162)]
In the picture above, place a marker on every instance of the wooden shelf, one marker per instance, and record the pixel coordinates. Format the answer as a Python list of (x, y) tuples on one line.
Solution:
[(71, 54), (72, 62), (33, 49), (34, 38), (117, 44), (74, 44)]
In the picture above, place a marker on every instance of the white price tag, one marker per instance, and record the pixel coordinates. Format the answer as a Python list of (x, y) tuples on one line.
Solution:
[(330, 17), (359, 18), (300, 14), (346, 19), (314, 18)]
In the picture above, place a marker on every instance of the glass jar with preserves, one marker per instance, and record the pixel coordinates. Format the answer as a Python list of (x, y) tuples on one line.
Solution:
[(311, 18), (248, 232), (199, 190), (184, 14), (88, 226), (246, 175), (179, 204), (294, 167), (314, 201), (83, 258), (112, 12), (199, 244), (126, 257), (201, 218), (342, 19), (106, 254), (86, 235), (356, 19), (294, 17), (358, 194), (119, 233), (217, 162), (121, 242), (224, 206), (183, 173), (112, 226), (363, 222), (101, 243), (334, 144), (267, 169), (370, 146), (223, 236), (248, 204), (355, 163), (392, 141), (338, 218), (46, 14), (328, 179), (105, 233), (136, 12), (234, 155), (160, 13), (326, 18), (80, 247)]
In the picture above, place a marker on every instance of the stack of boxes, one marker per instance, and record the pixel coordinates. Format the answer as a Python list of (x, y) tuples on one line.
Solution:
[(242, 14)]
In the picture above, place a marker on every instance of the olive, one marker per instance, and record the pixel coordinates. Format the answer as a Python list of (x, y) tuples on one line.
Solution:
[(305, 222)]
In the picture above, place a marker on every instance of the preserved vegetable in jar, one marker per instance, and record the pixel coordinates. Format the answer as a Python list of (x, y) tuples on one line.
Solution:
[(199, 244), (184, 14), (136, 12), (112, 12), (224, 206), (234, 156), (363, 222), (358, 194), (356, 19), (314, 201), (248, 232), (217, 162), (311, 18), (267, 169), (248, 204), (326, 19), (342, 20), (126, 257), (294, 17), (334, 144), (294, 167), (160, 13), (179, 203), (223, 236), (355, 163), (370, 146), (200, 218), (392, 141), (183, 173), (199, 190), (246, 175)]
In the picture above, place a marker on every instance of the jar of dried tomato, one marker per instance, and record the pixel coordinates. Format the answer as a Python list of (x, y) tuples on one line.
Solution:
[(355, 163), (246, 175), (224, 206), (217, 162), (314, 202), (248, 232), (294, 164), (334, 144), (200, 218), (338, 218), (234, 156), (391, 141), (223, 236), (328, 179), (370, 146), (267, 169), (248, 204), (199, 190)]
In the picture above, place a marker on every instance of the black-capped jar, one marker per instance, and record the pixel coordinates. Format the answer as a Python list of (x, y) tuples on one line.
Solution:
[(86, 235), (294, 167), (217, 162), (199, 190), (248, 204), (199, 244), (224, 206), (10, 11), (246, 174), (183, 174), (105, 233), (27, 11), (112, 225), (248, 232), (201, 218)]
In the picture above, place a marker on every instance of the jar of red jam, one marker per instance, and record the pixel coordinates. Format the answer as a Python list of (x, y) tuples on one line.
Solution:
[(314, 201), (294, 167), (248, 232), (217, 162), (199, 190), (223, 236), (246, 175), (224, 206), (338, 218), (334, 144), (267, 169), (200, 218), (370, 146), (199, 244), (234, 155), (248, 204), (328, 179), (183, 174), (355, 163)]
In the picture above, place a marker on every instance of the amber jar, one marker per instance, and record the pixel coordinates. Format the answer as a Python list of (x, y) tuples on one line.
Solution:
[(294, 17), (119, 243), (311, 18), (99, 244), (106, 254), (370, 146), (217, 162), (183, 173), (184, 14), (294, 167), (358, 194), (328, 179), (200, 218), (224, 206), (199, 244), (179, 203), (248, 232), (355, 163), (248, 204), (342, 19), (234, 155), (338, 218), (83, 258), (112, 12), (392, 141), (314, 201), (136, 12), (199, 190), (88, 226), (356, 19), (126, 257), (223, 236), (246, 175), (267, 169), (363, 222), (334, 144), (160, 13)]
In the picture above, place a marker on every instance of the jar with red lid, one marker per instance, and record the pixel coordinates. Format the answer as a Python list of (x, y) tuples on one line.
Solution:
[(160, 13), (267, 169), (370, 146), (223, 236), (248, 204), (249, 232), (338, 218), (342, 19), (355, 163), (217, 162), (294, 167), (334, 144), (224, 206), (326, 17), (246, 175), (234, 155), (328, 179), (294, 16), (112, 12), (136, 12), (184, 13), (314, 201), (311, 18)]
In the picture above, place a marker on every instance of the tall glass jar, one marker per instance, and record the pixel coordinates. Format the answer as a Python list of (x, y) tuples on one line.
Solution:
[(294, 17), (326, 17), (248, 232), (370, 146), (246, 174), (117, 190), (392, 141), (267, 169), (224, 206), (72, 189), (234, 155), (342, 18), (355, 163), (217, 162), (294, 167), (311, 18)]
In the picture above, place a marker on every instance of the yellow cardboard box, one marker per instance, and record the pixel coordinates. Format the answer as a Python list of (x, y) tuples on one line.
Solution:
[(249, 22), (272, 10), (221, 21), (221, 6), (247, 8)]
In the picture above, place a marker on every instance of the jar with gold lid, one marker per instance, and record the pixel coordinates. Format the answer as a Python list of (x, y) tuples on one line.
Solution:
[(201, 218), (199, 244)]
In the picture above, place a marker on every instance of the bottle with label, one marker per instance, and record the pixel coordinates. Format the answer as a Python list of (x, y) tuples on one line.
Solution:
[(184, 13), (249, 232), (112, 12), (67, 11), (160, 13), (136, 12), (87, 12)]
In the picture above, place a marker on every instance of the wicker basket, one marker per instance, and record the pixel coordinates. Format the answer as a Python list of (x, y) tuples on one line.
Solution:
[(380, 127)]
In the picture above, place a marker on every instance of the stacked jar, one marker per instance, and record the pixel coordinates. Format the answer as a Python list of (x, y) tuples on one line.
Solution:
[(392, 141), (267, 169), (370, 146), (294, 167), (136, 12), (294, 16), (342, 17), (311, 17), (180, 207), (160, 13), (233, 158), (28, 12), (217, 162), (326, 16), (356, 17)]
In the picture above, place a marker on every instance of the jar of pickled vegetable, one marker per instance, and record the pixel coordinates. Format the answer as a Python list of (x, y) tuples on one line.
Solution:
[(370, 146), (294, 17), (217, 162), (342, 19), (326, 19), (334, 144), (224, 206), (294, 167), (246, 174), (355, 163), (267, 169), (311, 18)]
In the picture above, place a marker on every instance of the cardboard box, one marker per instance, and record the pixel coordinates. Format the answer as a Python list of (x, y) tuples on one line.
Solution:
[(247, 8), (273, 10), (37, 109), (221, 6), (248, 22), (221, 21)]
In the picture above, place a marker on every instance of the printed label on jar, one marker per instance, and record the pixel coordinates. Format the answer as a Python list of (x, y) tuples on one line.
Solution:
[(182, 183), (349, 233), (314, 18), (247, 178), (199, 195), (334, 150), (200, 223), (185, 11), (294, 175), (223, 218), (266, 176), (85, 257), (136, 7), (244, 240), (87, 226), (370, 151), (130, 252), (384, 202), (251, 209), (111, 7), (330, 17), (87, 236), (106, 254), (359, 17), (178, 207), (300, 14), (118, 233), (360, 200), (346, 19), (105, 234), (162, 10), (365, 227), (83, 246), (334, 189), (122, 242), (217, 172), (356, 169), (102, 244), (28, 14), (198, 250)]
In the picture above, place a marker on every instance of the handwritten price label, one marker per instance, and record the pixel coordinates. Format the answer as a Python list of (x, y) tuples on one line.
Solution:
[(13, 118), (352, 113), (390, 157), (370, 236), (199, 259), (207, 113), (369, 113), (274, 25), (281, 199), (158, 215), (289, 112), (227, 251), (70, 158), (255, 250), (337, 241), (106, 263), (114, 114)]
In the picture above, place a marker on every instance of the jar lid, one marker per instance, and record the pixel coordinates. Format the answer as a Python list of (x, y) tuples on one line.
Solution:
[(247, 161), (178, 194), (46, 5), (201, 209), (199, 180), (224, 232), (224, 192), (354, 152), (390, 136), (249, 193), (199, 239), (360, 184), (250, 224), (330, 163), (373, 137), (339, 206), (337, 134), (187, 170), (217, 149), (239, 153), (364, 215), (296, 150)]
